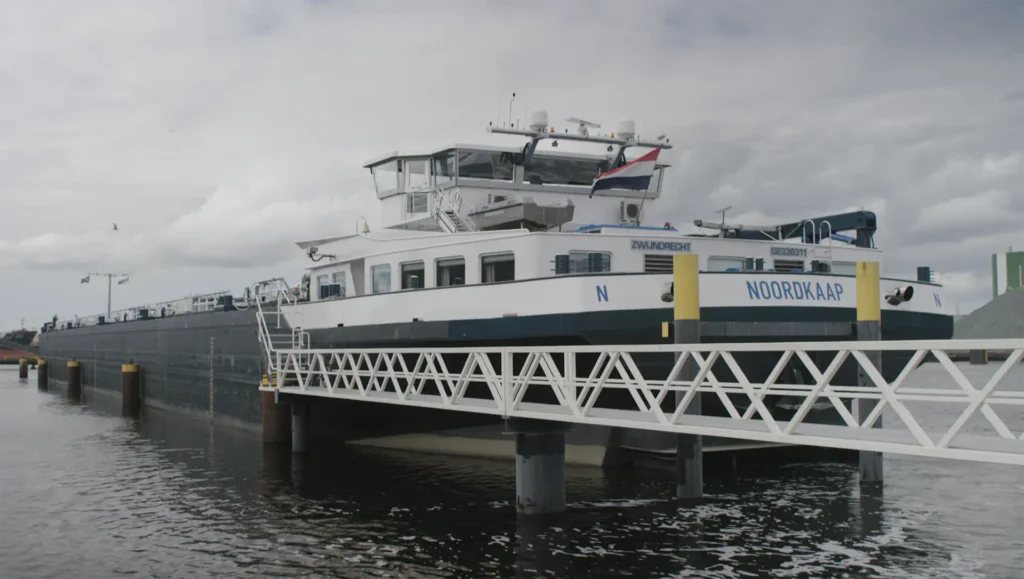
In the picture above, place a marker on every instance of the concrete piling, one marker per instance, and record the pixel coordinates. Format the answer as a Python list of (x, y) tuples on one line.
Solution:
[(869, 328), (686, 314), (23, 368), (131, 399), (300, 424), (74, 381), (276, 422), (540, 467), (42, 376)]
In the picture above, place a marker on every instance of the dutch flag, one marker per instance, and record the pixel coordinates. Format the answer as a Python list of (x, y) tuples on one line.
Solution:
[(635, 175)]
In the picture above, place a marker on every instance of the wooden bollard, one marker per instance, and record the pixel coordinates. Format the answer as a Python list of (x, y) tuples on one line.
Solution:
[(23, 368), (74, 380), (42, 375), (131, 401)]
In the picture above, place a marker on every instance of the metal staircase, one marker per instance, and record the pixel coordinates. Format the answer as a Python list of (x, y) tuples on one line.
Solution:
[(275, 333), (456, 222), (448, 211)]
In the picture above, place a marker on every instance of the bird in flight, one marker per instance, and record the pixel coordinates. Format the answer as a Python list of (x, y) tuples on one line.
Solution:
[(115, 227)]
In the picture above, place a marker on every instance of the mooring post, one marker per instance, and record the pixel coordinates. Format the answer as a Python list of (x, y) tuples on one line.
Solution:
[(74, 380), (979, 357), (131, 399), (540, 466), (276, 421), (686, 312), (300, 425), (23, 368), (869, 328), (42, 375)]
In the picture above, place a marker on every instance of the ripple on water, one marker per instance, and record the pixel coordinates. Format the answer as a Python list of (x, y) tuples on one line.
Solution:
[(84, 493)]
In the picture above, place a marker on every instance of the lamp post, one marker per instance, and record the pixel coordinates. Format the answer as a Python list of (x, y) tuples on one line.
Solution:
[(110, 285)]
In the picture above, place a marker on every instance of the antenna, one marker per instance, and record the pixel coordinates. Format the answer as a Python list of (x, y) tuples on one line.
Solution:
[(723, 211), (510, 109), (583, 126)]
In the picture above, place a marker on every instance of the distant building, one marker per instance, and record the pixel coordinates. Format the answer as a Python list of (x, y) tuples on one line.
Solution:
[(1007, 271)]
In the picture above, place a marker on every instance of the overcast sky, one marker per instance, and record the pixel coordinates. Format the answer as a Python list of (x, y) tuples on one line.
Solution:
[(218, 133)]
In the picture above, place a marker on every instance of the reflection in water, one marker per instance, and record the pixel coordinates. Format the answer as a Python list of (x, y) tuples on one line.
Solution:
[(86, 493)]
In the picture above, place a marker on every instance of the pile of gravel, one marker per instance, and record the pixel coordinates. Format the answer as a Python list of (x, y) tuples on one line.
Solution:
[(1001, 318)]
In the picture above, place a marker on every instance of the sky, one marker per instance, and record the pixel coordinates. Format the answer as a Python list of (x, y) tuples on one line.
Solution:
[(216, 134)]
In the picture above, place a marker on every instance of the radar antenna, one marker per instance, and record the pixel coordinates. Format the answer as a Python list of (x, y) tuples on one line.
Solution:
[(583, 126), (723, 211)]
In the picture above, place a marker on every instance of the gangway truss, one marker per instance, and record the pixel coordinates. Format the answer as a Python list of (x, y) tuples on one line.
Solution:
[(578, 384)]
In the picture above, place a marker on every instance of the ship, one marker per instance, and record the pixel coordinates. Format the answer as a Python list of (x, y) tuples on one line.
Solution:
[(19, 344), (539, 238)]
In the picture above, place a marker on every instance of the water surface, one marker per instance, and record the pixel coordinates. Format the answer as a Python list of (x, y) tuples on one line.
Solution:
[(85, 493)]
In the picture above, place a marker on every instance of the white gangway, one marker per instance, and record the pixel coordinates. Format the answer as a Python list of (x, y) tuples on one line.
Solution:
[(933, 408)]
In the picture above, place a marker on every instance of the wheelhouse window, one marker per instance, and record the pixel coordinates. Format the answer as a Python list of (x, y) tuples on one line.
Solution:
[(417, 177), (485, 165), (381, 278), (590, 261), (451, 271), (412, 275), (385, 178), (497, 268), (550, 170), (444, 169), (720, 263)]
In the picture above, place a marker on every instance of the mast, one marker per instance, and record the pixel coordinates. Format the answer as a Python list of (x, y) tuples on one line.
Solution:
[(110, 285)]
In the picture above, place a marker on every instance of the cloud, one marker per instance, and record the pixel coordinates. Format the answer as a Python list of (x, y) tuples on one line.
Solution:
[(216, 134)]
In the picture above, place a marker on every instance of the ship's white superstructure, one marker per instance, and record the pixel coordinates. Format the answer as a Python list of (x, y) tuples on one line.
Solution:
[(475, 232)]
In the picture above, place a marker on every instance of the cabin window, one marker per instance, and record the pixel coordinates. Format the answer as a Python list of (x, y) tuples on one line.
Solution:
[(546, 170), (582, 262), (485, 165), (788, 265), (725, 263), (381, 278), (338, 279), (321, 285), (444, 169), (412, 275), (657, 263), (328, 289), (497, 268), (385, 178), (416, 176), (416, 203), (451, 271)]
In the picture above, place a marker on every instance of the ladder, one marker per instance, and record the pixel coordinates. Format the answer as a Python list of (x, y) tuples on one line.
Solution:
[(448, 211), (456, 223)]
